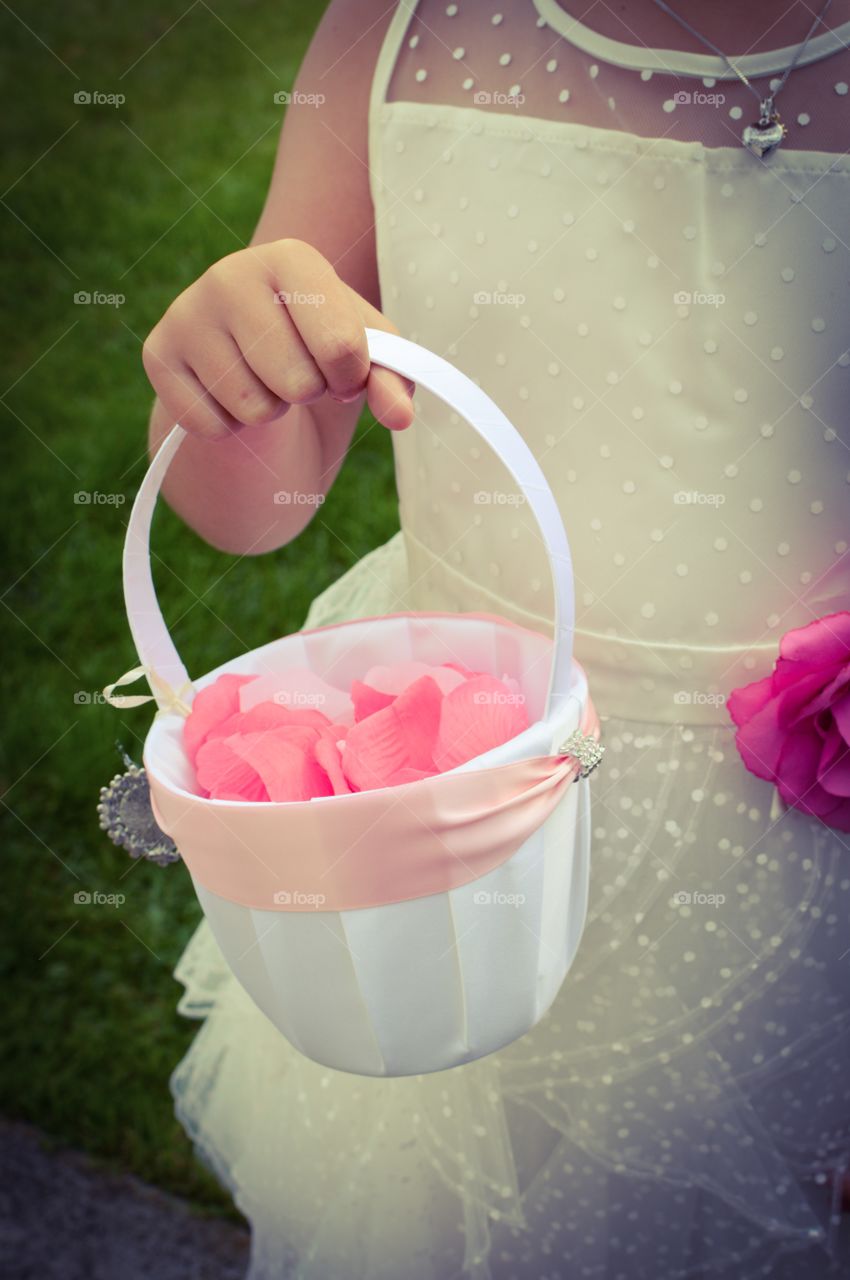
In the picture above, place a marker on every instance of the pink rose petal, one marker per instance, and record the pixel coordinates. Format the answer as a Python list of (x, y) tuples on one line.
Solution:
[(834, 765), (328, 755), (759, 742), (476, 716), (417, 711), (464, 671), (822, 642), (760, 739), (828, 692), (299, 689), (211, 705), (408, 775), (794, 726), (841, 715), (743, 703), (269, 715), (795, 698), (400, 676), (797, 769), (839, 818), (447, 677), (224, 775), (368, 700), (288, 770), (400, 736), (383, 684)]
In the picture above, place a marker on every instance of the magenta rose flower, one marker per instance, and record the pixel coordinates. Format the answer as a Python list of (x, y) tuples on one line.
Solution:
[(794, 725)]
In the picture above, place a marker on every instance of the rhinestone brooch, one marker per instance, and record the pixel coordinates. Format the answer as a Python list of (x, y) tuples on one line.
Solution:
[(584, 748)]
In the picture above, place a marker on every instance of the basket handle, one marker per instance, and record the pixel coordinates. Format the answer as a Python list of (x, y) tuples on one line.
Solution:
[(153, 642)]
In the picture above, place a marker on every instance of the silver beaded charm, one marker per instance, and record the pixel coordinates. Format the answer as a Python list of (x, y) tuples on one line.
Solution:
[(125, 814)]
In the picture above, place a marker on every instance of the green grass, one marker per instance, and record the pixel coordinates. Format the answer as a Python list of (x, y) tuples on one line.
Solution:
[(90, 1031)]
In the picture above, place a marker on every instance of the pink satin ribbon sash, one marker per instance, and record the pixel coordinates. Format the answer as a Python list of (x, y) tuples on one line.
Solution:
[(371, 848)]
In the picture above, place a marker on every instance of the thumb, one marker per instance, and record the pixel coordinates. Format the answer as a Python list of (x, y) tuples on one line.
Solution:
[(389, 394)]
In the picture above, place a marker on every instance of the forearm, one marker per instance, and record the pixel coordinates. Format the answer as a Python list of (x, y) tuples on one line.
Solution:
[(245, 338), (229, 490)]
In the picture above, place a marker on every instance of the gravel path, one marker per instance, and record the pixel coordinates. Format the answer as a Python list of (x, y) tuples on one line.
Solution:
[(63, 1218)]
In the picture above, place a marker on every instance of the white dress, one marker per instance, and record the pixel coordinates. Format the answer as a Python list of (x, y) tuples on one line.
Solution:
[(660, 314)]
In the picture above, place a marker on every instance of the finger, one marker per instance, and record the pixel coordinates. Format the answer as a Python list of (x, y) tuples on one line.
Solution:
[(390, 398), (273, 348), (324, 315), (220, 367), (188, 402), (390, 394)]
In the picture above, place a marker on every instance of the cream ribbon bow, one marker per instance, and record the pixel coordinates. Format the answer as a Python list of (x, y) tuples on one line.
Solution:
[(172, 699)]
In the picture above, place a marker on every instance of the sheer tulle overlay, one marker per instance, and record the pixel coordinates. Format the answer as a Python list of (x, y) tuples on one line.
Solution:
[(656, 311), (682, 1110)]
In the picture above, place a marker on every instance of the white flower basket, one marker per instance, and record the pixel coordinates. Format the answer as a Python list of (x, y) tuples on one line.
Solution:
[(412, 928)]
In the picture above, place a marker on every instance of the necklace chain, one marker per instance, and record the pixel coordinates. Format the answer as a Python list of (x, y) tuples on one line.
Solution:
[(683, 22), (766, 134)]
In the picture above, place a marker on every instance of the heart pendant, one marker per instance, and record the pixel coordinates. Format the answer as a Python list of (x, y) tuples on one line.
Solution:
[(764, 136)]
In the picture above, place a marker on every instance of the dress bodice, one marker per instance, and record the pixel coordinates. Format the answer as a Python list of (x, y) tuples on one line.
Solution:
[(666, 322)]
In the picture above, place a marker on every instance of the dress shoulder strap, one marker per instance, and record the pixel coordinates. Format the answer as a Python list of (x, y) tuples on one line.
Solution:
[(395, 34), (381, 77)]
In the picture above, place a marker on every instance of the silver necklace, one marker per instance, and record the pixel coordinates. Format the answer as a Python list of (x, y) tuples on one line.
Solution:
[(765, 134)]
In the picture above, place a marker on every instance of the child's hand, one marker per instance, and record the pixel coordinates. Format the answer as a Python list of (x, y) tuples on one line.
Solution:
[(263, 329)]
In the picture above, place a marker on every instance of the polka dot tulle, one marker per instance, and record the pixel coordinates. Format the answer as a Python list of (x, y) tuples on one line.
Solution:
[(530, 69), (688, 1086), (666, 320)]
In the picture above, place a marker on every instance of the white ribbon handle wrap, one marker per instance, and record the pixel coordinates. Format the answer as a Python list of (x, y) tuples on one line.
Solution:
[(166, 673)]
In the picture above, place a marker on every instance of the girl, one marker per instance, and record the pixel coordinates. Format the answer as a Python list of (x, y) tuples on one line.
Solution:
[(555, 196)]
